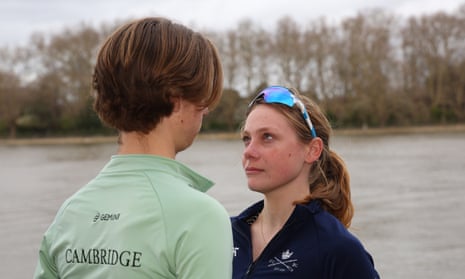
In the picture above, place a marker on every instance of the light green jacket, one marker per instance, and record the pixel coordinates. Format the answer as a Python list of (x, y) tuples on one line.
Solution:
[(143, 216)]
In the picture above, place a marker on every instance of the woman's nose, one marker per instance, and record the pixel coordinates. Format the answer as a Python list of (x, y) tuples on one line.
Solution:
[(250, 150)]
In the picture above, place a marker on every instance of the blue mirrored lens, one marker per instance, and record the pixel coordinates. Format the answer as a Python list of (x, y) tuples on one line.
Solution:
[(279, 95), (282, 95)]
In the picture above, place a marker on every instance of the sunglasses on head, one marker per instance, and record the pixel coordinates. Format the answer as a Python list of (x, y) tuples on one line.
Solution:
[(282, 95)]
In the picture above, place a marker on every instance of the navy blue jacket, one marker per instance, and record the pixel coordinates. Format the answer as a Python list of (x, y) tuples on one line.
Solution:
[(312, 244)]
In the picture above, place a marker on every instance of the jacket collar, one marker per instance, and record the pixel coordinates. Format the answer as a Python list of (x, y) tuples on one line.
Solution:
[(300, 211), (150, 163)]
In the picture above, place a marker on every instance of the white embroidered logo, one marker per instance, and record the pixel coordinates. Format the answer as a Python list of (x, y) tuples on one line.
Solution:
[(284, 263), (286, 255), (235, 249)]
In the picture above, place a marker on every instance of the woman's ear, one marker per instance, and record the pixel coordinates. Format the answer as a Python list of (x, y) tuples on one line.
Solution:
[(314, 151)]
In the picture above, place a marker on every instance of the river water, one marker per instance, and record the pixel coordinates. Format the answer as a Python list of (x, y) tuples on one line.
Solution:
[(408, 191)]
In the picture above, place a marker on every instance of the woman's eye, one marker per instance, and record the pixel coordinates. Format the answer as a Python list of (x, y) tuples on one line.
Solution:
[(267, 136), (245, 140)]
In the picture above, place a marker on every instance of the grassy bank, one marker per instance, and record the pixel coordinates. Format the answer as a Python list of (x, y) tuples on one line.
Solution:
[(235, 136)]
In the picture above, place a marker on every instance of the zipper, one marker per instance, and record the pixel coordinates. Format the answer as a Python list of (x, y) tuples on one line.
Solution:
[(251, 267)]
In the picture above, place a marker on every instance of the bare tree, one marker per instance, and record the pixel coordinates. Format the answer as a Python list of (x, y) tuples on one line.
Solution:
[(12, 99), (250, 44), (66, 64), (263, 41), (13, 92), (433, 47), (229, 49), (291, 53), (319, 38), (364, 60)]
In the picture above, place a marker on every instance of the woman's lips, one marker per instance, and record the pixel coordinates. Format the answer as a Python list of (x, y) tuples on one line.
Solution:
[(252, 170)]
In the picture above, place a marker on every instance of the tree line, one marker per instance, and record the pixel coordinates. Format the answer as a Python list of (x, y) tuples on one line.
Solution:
[(374, 69)]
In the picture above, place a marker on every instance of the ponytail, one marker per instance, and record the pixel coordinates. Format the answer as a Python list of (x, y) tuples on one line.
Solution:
[(330, 183), (329, 179)]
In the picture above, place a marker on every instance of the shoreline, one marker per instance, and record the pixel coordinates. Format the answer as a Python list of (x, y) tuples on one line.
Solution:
[(459, 128)]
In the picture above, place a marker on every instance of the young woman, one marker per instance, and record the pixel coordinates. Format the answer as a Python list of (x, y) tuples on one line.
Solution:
[(144, 215), (299, 229)]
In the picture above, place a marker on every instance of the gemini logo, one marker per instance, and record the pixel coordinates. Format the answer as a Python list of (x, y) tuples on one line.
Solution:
[(106, 217)]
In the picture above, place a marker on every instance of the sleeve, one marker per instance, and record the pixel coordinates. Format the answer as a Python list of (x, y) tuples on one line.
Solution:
[(204, 250), (349, 259), (46, 268)]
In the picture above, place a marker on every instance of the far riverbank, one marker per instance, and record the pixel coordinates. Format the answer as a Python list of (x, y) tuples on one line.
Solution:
[(459, 128)]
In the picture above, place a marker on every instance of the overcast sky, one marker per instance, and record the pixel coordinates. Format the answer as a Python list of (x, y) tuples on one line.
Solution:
[(20, 18)]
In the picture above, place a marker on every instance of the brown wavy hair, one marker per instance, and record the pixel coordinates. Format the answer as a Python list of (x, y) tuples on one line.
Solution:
[(329, 179), (146, 63)]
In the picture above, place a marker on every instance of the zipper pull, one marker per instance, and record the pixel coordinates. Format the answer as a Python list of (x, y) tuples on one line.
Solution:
[(249, 269)]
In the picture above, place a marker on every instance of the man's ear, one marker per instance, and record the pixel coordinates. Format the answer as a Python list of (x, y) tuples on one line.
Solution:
[(315, 147), (177, 104)]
